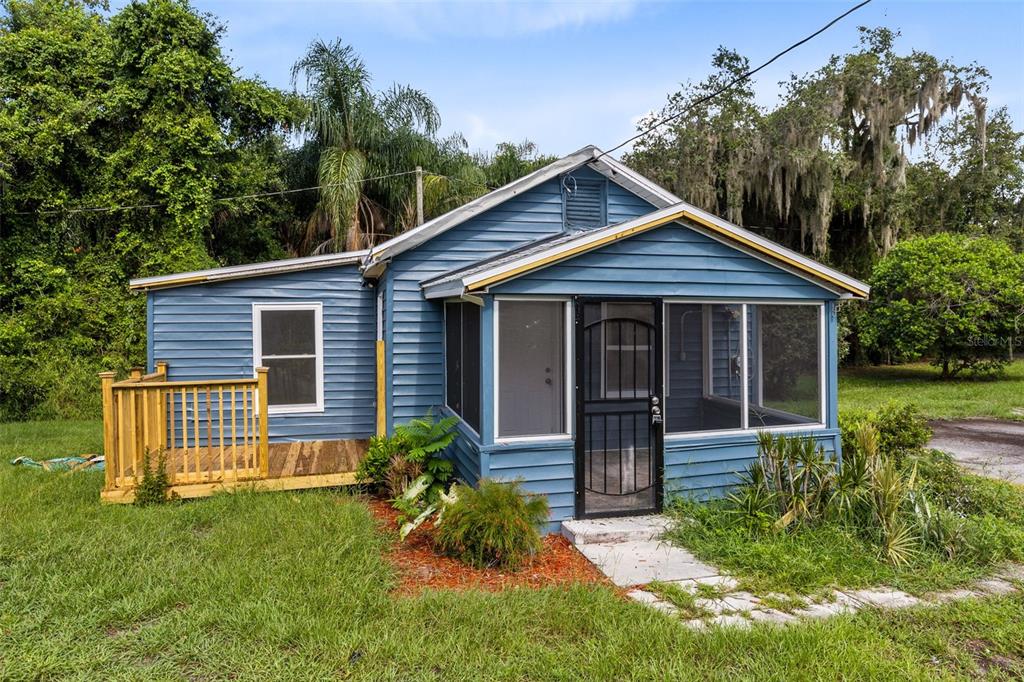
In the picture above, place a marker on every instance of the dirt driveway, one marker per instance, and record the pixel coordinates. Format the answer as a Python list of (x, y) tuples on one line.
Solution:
[(990, 447)]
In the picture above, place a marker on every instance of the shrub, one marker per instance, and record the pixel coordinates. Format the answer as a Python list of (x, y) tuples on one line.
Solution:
[(155, 483), (900, 426), (493, 525), (956, 299), (901, 429), (373, 467)]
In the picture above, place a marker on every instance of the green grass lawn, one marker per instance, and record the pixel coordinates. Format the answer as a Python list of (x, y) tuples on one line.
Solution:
[(295, 586), (865, 388)]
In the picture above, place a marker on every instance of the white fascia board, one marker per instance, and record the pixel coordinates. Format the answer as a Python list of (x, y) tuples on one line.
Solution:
[(447, 289), (251, 270), (623, 175)]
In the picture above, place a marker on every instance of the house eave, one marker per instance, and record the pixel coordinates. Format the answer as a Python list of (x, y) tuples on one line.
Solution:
[(246, 271)]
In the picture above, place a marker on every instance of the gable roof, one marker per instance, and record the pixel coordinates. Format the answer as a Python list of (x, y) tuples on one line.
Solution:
[(373, 261), (274, 267), (477, 277), (589, 155)]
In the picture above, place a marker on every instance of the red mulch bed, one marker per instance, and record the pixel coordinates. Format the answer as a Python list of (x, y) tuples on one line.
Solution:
[(419, 567)]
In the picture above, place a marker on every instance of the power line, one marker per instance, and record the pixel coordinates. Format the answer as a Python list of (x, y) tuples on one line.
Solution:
[(216, 200), (739, 79)]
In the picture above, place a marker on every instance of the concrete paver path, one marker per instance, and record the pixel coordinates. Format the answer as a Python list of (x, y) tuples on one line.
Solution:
[(631, 553)]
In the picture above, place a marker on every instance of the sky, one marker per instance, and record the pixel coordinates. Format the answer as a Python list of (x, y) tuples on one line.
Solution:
[(567, 74)]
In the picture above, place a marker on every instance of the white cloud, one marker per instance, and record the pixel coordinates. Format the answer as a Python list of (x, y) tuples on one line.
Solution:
[(497, 19)]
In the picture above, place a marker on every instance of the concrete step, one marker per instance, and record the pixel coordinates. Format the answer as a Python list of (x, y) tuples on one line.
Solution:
[(619, 529), (639, 562)]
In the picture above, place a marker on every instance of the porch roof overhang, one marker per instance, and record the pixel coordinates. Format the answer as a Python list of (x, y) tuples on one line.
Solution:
[(243, 271), (478, 277)]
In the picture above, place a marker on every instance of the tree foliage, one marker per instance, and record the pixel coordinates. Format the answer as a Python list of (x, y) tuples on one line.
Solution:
[(101, 111), (826, 170), (956, 299)]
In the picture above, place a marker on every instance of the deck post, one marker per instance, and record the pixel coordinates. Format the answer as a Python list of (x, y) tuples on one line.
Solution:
[(107, 387), (261, 392)]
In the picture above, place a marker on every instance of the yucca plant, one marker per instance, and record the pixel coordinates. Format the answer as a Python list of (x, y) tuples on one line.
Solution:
[(797, 474), (752, 501), (890, 498), (849, 500)]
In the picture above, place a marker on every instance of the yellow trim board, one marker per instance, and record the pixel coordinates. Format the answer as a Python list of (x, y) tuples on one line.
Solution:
[(173, 283), (598, 243), (382, 415), (192, 490), (773, 254)]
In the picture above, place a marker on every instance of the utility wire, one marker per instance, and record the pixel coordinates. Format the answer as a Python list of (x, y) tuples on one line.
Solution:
[(217, 200), (734, 82), (739, 79)]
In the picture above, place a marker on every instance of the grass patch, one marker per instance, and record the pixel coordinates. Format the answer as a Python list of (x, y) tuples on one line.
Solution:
[(816, 558), (682, 599), (782, 602), (809, 561), (296, 586), (865, 388)]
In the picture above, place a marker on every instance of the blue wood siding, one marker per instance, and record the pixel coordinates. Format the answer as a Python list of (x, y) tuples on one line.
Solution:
[(545, 468), (670, 261), (416, 377), (705, 468), (205, 332), (465, 451)]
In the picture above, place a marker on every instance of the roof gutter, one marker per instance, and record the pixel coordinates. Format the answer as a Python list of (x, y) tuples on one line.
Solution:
[(245, 271)]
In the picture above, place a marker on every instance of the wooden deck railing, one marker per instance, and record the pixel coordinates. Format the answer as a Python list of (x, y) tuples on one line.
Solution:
[(205, 432)]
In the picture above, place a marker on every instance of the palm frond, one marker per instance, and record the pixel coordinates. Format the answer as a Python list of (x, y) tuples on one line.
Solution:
[(341, 177)]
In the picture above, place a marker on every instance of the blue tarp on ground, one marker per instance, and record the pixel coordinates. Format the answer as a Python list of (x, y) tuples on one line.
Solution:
[(61, 463)]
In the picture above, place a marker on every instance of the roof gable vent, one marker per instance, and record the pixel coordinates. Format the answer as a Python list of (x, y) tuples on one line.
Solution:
[(583, 203)]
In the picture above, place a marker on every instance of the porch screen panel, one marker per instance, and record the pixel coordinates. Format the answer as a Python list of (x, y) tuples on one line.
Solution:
[(462, 361), (785, 364), (453, 356), (703, 367), (531, 368)]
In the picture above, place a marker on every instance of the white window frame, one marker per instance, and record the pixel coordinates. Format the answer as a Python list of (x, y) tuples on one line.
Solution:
[(570, 362), (257, 351), (744, 385)]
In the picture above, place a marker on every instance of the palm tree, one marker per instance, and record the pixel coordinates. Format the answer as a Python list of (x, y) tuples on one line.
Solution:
[(368, 142)]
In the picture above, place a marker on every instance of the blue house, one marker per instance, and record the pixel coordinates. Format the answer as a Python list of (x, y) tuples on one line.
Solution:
[(599, 338)]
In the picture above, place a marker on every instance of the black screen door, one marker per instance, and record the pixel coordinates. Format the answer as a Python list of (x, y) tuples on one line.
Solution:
[(618, 404)]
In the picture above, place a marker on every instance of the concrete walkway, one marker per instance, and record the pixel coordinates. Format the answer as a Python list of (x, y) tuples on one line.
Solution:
[(989, 447), (631, 553)]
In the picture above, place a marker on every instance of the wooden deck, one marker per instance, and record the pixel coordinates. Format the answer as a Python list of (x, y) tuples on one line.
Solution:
[(211, 436)]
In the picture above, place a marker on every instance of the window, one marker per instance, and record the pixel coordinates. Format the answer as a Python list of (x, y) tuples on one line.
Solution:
[(531, 368), (462, 361), (288, 340), (785, 365), (706, 349)]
